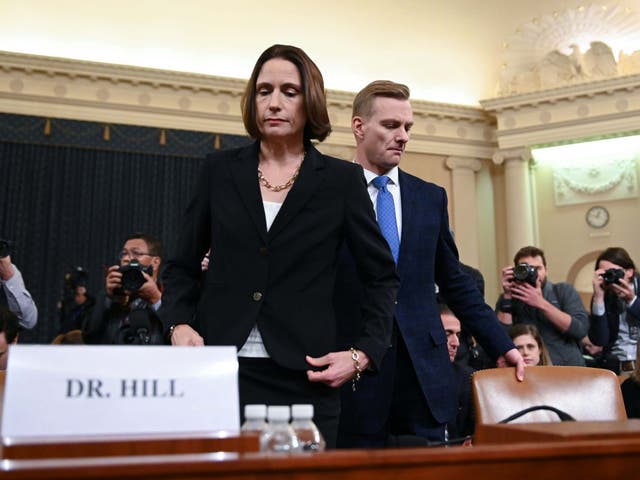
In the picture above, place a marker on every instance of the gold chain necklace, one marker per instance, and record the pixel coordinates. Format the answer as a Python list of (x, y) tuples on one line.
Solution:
[(284, 186)]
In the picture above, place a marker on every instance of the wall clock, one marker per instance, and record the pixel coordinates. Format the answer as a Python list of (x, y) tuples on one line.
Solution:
[(597, 216)]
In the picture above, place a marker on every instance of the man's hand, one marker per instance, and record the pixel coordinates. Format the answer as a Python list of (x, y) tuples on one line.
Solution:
[(184, 335), (6, 268), (512, 358), (528, 294), (506, 280), (340, 367), (204, 264), (149, 290), (113, 280), (590, 348)]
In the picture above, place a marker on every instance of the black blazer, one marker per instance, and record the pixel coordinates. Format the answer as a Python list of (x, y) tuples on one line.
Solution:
[(281, 280)]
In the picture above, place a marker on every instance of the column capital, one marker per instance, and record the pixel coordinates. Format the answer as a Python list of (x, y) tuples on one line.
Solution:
[(463, 163), (521, 153)]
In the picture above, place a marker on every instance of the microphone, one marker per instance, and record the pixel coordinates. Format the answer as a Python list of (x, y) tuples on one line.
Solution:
[(140, 325)]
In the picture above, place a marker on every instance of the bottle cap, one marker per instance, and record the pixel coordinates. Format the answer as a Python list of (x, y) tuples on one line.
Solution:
[(302, 410), (278, 412), (255, 411)]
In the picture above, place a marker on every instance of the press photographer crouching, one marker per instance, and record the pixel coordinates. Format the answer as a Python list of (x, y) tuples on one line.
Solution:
[(13, 292), (126, 313), (615, 311)]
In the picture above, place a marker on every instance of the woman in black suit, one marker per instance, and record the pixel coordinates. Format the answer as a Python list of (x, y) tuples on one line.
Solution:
[(274, 215)]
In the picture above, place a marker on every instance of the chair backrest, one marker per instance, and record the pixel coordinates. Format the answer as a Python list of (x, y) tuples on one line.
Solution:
[(584, 393)]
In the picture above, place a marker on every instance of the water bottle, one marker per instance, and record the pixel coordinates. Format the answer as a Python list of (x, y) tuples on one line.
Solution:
[(254, 421), (279, 436), (309, 437)]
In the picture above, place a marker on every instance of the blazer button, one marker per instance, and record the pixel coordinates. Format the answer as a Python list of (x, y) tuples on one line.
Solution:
[(257, 296), (264, 251)]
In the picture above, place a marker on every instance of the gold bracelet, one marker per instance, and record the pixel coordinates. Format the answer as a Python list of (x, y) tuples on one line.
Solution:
[(171, 329), (355, 356)]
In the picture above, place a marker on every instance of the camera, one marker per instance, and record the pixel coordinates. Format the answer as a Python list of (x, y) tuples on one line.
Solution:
[(6, 247), (132, 275), (525, 273), (612, 275)]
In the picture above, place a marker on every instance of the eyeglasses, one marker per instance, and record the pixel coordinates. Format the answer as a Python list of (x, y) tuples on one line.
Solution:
[(134, 254)]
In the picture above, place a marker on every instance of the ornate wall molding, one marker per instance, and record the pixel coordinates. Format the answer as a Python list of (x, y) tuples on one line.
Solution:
[(574, 45), (55, 87), (592, 110), (519, 153), (463, 163), (612, 181)]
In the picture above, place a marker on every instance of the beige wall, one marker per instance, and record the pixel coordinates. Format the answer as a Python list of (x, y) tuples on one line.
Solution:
[(114, 94), (567, 239)]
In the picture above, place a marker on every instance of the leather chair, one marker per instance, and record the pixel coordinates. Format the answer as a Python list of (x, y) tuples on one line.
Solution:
[(584, 393)]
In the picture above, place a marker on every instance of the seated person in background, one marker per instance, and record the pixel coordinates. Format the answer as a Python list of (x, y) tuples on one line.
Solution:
[(631, 390), (8, 334), (615, 309), (76, 303), (470, 352), (527, 339), (13, 293), (464, 423), (126, 312), (555, 309)]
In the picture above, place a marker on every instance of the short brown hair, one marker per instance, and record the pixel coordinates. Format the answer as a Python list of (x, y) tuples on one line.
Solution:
[(363, 103), (318, 125), (529, 251)]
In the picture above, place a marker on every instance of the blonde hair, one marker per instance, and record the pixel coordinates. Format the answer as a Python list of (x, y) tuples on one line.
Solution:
[(363, 102)]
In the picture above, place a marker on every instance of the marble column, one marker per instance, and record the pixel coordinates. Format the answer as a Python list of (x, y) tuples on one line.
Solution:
[(464, 202), (518, 204)]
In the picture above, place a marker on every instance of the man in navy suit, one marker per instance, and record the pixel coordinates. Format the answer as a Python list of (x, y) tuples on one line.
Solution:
[(412, 394)]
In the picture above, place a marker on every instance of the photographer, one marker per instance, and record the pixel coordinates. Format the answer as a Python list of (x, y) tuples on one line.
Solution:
[(127, 313), (13, 293), (555, 309), (615, 310), (8, 334), (76, 303)]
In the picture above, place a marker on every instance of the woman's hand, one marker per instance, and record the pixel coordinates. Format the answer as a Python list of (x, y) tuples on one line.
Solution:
[(340, 367), (184, 335)]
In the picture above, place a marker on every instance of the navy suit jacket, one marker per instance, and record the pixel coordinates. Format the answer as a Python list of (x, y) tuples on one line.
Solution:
[(281, 279), (428, 256)]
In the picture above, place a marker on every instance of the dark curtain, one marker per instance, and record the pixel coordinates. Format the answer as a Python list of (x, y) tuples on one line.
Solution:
[(68, 206)]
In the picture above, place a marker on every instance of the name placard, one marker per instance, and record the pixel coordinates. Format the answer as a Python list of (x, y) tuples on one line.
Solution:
[(62, 390)]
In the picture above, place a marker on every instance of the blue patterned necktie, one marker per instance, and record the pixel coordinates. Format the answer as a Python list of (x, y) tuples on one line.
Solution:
[(386, 211)]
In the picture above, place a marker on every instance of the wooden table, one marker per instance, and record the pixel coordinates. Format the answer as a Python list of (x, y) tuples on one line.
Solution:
[(557, 431), (602, 459), (602, 450)]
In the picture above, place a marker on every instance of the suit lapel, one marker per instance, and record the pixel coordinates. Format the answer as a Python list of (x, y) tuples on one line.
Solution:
[(244, 171), (408, 201), (305, 185)]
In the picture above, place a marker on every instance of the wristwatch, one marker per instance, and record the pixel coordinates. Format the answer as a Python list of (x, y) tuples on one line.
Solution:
[(504, 305)]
